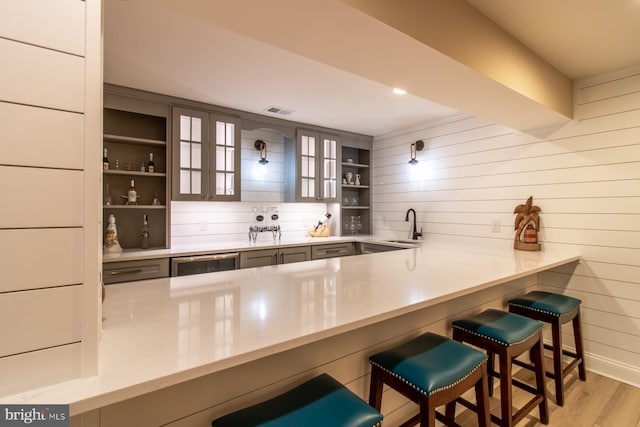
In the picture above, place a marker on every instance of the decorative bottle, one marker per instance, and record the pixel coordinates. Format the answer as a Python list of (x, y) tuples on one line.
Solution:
[(323, 220), (105, 160), (132, 195), (144, 235), (151, 166)]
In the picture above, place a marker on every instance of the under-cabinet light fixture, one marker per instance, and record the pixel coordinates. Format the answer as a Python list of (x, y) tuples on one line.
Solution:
[(261, 146), (399, 91), (415, 147)]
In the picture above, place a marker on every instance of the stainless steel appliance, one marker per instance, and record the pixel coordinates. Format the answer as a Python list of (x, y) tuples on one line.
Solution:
[(184, 266)]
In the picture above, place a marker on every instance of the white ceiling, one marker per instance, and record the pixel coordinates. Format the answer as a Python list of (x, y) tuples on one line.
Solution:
[(162, 50)]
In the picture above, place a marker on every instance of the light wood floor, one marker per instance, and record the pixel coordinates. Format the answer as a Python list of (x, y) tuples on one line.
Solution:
[(599, 401)]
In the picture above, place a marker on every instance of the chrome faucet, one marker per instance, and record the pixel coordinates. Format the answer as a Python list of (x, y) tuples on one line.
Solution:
[(414, 231)]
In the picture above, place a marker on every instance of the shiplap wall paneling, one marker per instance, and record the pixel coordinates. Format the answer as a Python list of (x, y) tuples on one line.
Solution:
[(345, 357), (262, 183), (41, 137), (38, 197), (585, 176), (47, 366), (57, 252), (57, 25), (41, 77), (57, 308)]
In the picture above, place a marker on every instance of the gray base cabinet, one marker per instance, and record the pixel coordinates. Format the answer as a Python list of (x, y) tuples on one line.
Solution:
[(128, 271), (332, 250), (262, 257)]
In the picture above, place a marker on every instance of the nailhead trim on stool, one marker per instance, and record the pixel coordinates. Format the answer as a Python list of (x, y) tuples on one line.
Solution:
[(319, 402), (431, 370), (508, 335), (555, 309)]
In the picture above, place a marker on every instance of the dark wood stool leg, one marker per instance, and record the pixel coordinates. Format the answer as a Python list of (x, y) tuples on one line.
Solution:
[(504, 359), (577, 334), (482, 399), (375, 388), (450, 412), (490, 369), (537, 354), (427, 414), (558, 377)]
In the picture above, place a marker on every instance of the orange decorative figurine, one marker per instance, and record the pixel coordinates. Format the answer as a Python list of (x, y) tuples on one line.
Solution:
[(527, 225)]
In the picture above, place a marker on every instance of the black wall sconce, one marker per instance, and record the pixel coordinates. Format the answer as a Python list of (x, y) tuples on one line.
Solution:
[(415, 147), (261, 146)]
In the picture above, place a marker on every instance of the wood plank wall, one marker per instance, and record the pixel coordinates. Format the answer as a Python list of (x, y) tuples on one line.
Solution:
[(584, 176), (262, 186), (43, 108)]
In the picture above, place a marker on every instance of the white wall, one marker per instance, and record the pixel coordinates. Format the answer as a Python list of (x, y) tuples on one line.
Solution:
[(49, 108), (262, 186), (586, 179)]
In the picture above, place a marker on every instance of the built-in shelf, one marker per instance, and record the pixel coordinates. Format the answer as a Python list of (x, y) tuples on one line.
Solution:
[(355, 207), (355, 165), (134, 173), (130, 139), (134, 206), (355, 186)]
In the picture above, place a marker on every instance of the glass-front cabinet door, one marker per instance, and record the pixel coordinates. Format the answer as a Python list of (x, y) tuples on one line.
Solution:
[(206, 156), (190, 154), (226, 158), (316, 166)]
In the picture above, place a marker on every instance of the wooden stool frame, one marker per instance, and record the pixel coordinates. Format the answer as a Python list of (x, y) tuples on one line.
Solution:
[(556, 322), (506, 354), (428, 404)]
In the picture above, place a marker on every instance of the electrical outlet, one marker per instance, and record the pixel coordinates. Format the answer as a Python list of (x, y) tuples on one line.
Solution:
[(495, 226), (204, 226)]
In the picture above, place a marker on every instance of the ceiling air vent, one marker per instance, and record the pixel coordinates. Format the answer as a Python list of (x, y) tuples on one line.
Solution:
[(278, 110)]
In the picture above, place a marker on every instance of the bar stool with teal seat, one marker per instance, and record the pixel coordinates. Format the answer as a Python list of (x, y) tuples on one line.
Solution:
[(432, 370), (508, 335), (556, 310), (319, 402)]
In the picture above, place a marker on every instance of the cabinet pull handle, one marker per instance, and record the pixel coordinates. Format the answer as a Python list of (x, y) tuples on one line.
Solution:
[(125, 271)]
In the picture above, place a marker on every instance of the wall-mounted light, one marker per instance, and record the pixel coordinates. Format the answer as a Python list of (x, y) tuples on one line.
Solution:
[(415, 147), (261, 146)]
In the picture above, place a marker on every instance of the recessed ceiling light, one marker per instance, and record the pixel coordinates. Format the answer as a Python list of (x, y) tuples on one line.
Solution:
[(399, 91)]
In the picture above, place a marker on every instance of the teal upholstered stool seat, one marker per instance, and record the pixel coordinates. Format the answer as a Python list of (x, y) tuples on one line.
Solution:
[(319, 402), (508, 335), (431, 370), (555, 309)]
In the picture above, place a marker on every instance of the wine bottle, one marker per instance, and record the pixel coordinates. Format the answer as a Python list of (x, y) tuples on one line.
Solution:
[(323, 220), (132, 196), (105, 160), (145, 232), (151, 167)]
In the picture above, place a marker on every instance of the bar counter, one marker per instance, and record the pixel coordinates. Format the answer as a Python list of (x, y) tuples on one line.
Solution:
[(164, 332)]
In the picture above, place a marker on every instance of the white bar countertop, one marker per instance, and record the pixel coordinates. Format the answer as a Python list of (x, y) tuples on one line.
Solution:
[(157, 333)]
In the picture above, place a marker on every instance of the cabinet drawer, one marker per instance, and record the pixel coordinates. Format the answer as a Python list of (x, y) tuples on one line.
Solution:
[(258, 258), (332, 250), (294, 254), (127, 271)]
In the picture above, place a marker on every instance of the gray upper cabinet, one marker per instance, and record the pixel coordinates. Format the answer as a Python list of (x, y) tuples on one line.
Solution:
[(206, 156), (311, 167)]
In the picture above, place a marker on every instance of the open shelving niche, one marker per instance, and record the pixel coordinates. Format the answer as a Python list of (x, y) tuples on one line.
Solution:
[(133, 128), (357, 160)]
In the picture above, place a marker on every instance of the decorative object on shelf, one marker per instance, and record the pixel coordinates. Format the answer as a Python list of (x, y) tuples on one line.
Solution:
[(349, 160), (349, 177), (527, 224), (156, 201), (358, 179), (151, 166), (107, 196), (111, 243), (117, 166), (344, 181), (132, 196), (144, 233), (322, 227), (261, 146), (415, 147), (105, 160)]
